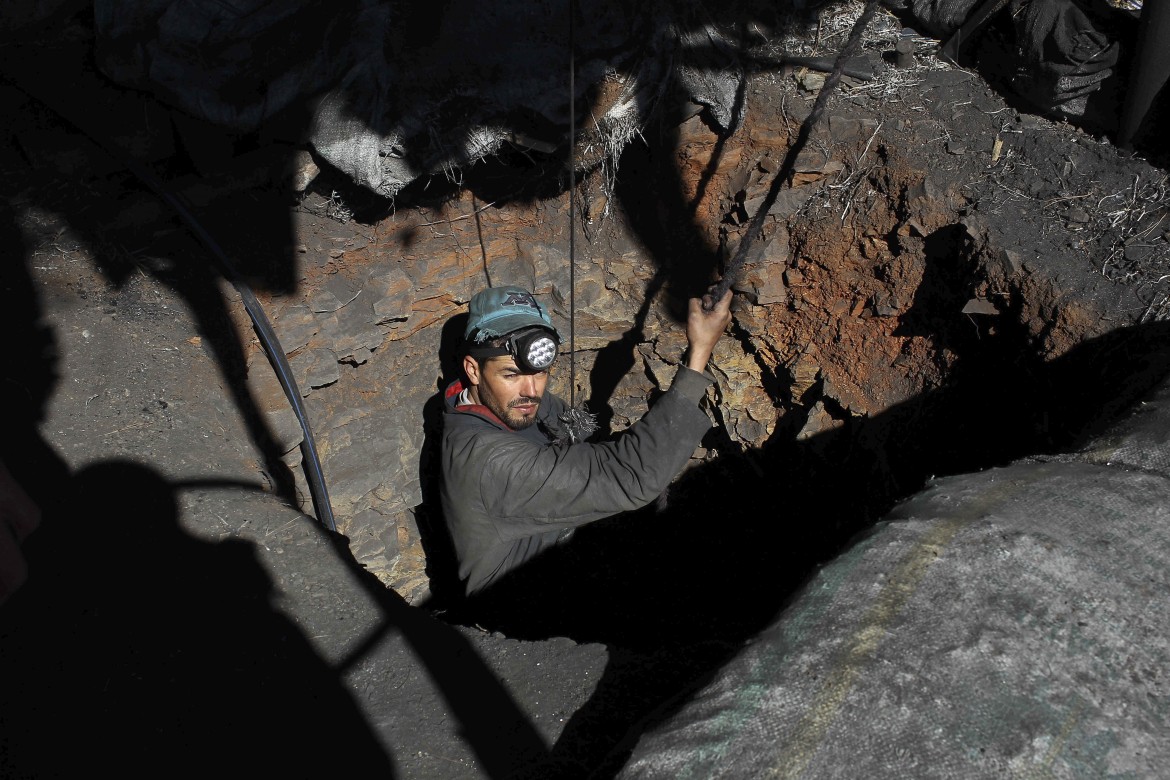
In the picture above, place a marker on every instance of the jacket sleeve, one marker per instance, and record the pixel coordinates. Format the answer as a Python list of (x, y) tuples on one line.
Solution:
[(528, 488)]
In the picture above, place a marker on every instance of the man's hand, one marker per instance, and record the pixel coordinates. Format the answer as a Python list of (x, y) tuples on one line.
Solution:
[(705, 327)]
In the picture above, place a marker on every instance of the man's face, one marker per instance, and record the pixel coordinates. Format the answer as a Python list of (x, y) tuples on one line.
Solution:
[(499, 385)]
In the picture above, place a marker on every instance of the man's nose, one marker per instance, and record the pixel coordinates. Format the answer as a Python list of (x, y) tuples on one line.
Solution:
[(528, 386)]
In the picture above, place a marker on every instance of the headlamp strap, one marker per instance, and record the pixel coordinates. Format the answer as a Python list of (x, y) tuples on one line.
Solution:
[(488, 352)]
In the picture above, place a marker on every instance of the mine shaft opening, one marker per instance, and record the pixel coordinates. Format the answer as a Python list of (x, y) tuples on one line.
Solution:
[(719, 554)]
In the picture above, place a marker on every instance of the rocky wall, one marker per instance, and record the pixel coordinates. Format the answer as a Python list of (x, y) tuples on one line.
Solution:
[(877, 278)]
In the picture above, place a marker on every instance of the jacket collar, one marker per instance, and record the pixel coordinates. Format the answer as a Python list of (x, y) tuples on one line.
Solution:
[(540, 433), (452, 405)]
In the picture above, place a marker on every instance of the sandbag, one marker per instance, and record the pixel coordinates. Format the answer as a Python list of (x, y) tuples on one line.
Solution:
[(1066, 54), (1058, 52), (1011, 622)]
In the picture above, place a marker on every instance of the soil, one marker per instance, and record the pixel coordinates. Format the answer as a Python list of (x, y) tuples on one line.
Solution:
[(183, 615)]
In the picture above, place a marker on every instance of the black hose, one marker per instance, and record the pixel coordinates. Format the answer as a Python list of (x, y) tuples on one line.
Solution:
[(268, 339)]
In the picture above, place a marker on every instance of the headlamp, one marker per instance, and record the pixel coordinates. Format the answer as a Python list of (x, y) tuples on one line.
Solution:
[(534, 350)]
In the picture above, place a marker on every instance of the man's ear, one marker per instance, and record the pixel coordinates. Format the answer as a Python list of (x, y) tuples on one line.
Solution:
[(471, 369)]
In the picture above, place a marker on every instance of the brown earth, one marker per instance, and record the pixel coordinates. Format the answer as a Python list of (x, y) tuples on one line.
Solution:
[(948, 282)]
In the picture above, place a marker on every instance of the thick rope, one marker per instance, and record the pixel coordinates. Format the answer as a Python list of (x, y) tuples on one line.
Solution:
[(756, 227)]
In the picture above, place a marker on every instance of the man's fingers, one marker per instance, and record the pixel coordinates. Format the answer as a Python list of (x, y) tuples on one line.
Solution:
[(722, 307), (724, 302)]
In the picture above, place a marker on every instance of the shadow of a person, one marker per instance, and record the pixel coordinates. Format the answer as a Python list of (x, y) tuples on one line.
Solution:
[(142, 646), (28, 374)]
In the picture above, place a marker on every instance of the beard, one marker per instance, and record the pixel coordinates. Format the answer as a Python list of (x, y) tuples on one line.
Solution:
[(514, 420), (517, 421)]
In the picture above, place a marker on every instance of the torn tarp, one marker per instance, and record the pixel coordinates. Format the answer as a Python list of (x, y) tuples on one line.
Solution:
[(396, 90)]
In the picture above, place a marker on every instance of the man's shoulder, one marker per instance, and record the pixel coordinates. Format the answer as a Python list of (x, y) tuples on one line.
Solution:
[(471, 418)]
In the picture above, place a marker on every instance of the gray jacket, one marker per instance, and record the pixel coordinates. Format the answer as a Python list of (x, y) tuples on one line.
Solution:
[(507, 495)]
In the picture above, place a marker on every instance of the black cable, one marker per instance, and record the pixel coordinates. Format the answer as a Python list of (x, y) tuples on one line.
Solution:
[(572, 218)]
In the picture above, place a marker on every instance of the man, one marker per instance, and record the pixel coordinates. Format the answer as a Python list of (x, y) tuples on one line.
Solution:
[(512, 485)]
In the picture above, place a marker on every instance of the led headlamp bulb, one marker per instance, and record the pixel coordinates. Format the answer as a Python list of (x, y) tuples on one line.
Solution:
[(539, 351)]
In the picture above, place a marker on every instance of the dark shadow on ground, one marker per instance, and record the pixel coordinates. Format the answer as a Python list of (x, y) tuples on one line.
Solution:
[(30, 368), (147, 646), (139, 650), (502, 736)]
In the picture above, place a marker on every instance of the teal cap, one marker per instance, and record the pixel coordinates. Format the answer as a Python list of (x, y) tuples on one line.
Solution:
[(498, 311)]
